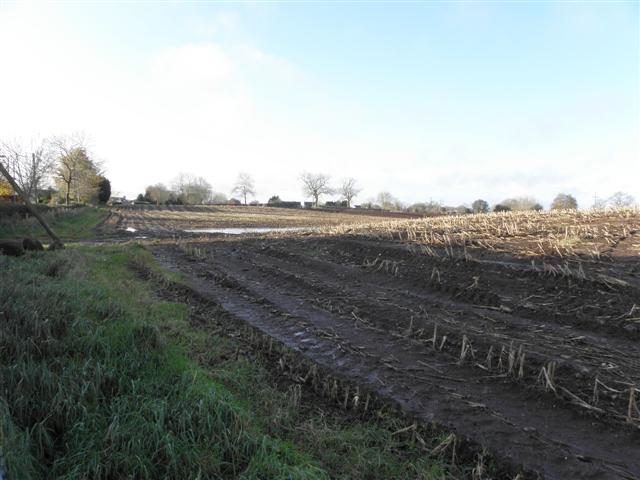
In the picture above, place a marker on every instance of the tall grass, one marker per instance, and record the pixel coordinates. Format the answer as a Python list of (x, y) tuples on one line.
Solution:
[(89, 388)]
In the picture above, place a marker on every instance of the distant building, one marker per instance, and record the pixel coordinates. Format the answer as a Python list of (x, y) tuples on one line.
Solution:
[(118, 201)]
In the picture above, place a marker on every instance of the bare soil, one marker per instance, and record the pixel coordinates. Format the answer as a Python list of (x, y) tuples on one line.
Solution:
[(540, 368)]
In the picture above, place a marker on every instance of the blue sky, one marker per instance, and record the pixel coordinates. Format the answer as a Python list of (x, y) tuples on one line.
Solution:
[(450, 101)]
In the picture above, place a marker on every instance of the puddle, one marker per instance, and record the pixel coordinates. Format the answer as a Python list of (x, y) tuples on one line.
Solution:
[(240, 231), (130, 229)]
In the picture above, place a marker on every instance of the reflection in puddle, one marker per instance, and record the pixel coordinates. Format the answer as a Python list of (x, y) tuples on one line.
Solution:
[(240, 231)]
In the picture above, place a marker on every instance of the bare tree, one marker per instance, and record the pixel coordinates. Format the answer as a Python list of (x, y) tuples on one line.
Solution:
[(191, 189), (315, 185), (31, 166), (348, 190), (244, 186), (388, 201), (620, 200)]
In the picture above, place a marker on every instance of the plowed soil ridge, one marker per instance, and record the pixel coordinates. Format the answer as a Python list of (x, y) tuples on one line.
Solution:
[(375, 322)]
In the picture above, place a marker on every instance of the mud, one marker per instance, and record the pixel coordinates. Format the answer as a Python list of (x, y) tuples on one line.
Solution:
[(536, 367), (525, 341)]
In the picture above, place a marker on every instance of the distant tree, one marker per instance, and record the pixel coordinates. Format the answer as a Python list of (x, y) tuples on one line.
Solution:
[(564, 201), (371, 205), (140, 198), (462, 210), (234, 201), (274, 199), (385, 200), (158, 194), (174, 199), (104, 190), (191, 190), (620, 200), (389, 202), (315, 185), (429, 208), (244, 186), (218, 198), (501, 208), (67, 171), (521, 203), (480, 206), (348, 190), (76, 174)]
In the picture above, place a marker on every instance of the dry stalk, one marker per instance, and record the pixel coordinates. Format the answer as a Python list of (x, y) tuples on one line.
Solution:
[(465, 349), (632, 408), (345, 403), (521, 368), (500, 365), (435, 273), (489, 358), (295, 395), (511, 359), (446, 443), (435, 335), (480, 469), (546, 376)]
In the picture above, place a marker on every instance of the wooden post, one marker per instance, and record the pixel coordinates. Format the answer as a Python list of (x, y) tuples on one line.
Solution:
[(30, 207)]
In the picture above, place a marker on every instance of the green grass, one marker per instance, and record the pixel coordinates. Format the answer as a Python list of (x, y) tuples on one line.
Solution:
[(68, 224), (99, 378)]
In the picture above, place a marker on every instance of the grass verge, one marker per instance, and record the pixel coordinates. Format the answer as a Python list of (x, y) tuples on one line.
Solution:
[(69, 224), (99, 378)]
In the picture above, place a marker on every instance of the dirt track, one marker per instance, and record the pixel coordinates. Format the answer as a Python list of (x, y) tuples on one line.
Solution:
[(376, 325)]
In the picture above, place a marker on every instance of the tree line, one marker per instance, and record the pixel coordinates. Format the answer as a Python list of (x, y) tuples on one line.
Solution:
[(191, 189), (61, 169), (187, 188), (54, 170)]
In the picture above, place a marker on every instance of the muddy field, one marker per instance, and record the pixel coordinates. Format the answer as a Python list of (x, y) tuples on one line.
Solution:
[(168, 221), (520, 332)]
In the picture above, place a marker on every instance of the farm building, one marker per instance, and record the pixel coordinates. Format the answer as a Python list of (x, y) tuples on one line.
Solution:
[(119, 201)]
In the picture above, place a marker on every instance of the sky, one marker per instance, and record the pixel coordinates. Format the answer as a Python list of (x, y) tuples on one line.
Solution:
[(443, 101)]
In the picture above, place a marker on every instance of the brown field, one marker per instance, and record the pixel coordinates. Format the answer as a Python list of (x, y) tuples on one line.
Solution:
[(160, 221), (518, 331)]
